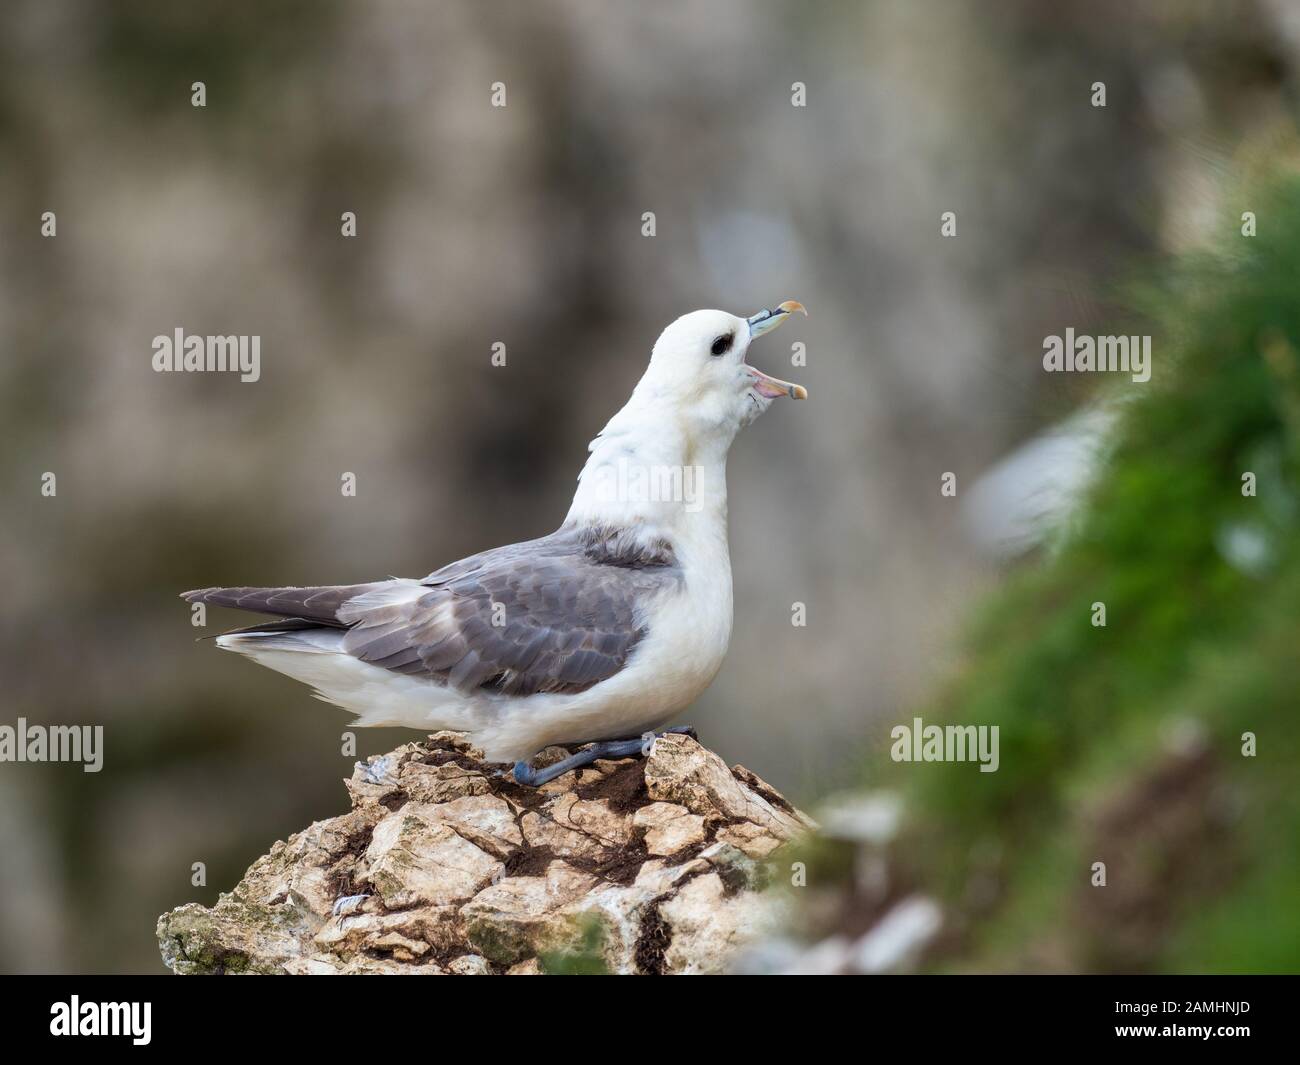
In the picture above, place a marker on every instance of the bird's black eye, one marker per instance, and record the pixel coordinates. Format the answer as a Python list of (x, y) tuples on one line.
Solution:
[(723, 344)]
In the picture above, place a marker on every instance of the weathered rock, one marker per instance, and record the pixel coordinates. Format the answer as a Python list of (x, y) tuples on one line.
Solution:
[(515, 918), (680, 771), (444, 865), (668, 827), (577, 828), (769, 794), (749, 838), (706, 925), (441, 783), (418, 859), (456, 741), (234, 938), (485, 820), (577, 778), (417, 930), (658, 877), (737, 869), (374, 782)]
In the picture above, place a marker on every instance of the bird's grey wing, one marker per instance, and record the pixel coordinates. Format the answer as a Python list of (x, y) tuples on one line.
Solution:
[(536, 617)]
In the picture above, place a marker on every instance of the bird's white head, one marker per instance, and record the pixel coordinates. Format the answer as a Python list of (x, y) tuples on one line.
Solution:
[(699, 371), (661, 460)]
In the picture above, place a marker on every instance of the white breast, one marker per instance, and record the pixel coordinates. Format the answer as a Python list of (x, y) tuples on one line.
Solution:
[(689, 628)]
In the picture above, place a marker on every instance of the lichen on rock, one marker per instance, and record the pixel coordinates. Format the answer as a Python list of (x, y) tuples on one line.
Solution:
[(444, 865)]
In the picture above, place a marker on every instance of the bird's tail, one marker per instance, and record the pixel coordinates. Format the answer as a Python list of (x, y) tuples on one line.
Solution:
[(310, 606), (309, 618), (306, 642)]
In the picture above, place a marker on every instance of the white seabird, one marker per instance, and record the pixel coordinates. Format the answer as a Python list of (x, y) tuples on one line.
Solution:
[(605, 629)]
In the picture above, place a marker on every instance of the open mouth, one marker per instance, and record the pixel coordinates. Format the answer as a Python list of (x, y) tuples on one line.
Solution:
[(773, 387), (764, 322)]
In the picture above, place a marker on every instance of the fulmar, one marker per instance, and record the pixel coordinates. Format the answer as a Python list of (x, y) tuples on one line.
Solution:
[(601, 632)]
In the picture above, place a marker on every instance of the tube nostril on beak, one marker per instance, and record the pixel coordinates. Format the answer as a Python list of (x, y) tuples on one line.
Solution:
[(765, 321)]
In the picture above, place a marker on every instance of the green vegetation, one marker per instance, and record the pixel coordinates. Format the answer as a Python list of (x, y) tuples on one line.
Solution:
[(1123, 744)]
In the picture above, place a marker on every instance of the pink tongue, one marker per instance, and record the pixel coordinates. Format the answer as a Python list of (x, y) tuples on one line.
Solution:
[(766, 388)]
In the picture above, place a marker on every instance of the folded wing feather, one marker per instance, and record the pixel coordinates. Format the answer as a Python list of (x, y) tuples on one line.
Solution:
[(542, 616)]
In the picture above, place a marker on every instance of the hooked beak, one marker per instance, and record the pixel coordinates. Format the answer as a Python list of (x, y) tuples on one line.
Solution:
[(764, 322)]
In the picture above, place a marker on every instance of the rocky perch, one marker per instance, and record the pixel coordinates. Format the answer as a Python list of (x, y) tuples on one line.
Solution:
[(443, 865)]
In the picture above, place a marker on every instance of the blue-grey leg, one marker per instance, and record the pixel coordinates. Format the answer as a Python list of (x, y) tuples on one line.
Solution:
[(530, 777)]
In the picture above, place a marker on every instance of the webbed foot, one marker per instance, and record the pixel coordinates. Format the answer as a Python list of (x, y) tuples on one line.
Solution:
[(532, 778)]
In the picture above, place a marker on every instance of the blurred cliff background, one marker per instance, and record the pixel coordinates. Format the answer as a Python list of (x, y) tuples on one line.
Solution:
[(523, 225)]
